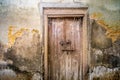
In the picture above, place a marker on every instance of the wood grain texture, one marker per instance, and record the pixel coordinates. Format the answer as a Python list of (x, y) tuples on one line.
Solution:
[(74, 11), (65, 65)]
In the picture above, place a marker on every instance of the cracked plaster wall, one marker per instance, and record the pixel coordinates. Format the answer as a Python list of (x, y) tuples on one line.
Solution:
[(20, 30)]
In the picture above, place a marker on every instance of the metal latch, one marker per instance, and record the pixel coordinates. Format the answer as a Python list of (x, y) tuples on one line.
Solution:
[(66, 46)]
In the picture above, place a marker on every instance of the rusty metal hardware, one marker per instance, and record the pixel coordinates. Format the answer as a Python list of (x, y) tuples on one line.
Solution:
[(68, 42), (70, 50), (62, 43), (66, 46)]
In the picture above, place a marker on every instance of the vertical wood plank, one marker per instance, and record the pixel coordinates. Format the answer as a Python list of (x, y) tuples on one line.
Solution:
[(85, 47), (46, 47)]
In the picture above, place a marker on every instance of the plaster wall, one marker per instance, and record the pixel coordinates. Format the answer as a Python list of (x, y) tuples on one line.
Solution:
[(21, 30), (26, 14), (18, 14)]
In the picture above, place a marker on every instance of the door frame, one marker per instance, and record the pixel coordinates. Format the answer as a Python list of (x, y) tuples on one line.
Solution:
[(61, 10)]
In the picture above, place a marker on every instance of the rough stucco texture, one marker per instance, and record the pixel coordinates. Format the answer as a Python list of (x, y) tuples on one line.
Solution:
[(107, 14), (20, 14), (20, 29), (26, 52)]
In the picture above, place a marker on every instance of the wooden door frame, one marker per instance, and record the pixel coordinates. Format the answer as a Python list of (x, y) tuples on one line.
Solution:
[(65, 12)]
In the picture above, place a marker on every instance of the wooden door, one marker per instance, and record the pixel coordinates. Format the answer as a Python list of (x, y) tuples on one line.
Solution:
[(65, 48)]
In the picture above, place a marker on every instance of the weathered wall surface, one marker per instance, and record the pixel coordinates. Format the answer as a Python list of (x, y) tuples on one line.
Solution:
[(105, 40), (107, 14), (105, 55), (21, 46), (19, 14), (20, 37)]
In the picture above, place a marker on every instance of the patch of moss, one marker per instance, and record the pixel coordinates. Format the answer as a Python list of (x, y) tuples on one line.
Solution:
[(109, 76), (23, 76)]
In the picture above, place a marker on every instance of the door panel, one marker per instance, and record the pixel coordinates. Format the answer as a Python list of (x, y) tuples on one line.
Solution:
[(65, 48)]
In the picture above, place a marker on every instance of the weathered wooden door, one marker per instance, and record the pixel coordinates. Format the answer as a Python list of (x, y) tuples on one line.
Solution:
[(65, 48)]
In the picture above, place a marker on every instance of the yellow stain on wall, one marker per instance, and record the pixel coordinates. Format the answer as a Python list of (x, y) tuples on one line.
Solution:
[(35, 31), (12, 36), (112, 33), (96, 15)]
